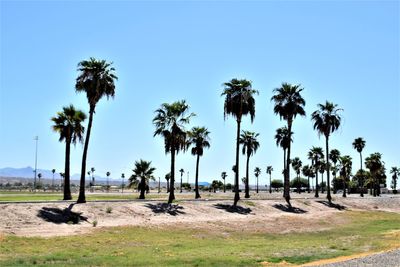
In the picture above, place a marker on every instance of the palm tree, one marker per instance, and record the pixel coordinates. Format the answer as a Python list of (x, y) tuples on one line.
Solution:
[(334, 156), (96, 79), (92, 170), (62, 177), (257, 172), (288, 104), (168, 177), (308, 172), (52, 183), (68, 124), (143, 171), (345, 170), (377, 169), (239, 101), (169, 122), (359, 144), (108, 185), (250, 145), (198, 139), (269, 171), (315, 155), (182, 171), (396, 172), (223, 176), (326, 121), (282, 140), (296, 165), (39, 176), (321, 170), (123, 185)]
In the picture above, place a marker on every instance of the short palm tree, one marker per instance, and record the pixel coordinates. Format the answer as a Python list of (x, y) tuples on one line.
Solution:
[(52, 183), (96, 79), (288, 104), (169, 121), (308, 172), (359, 144), (250, 145), (296, 165), (123, 184), (326, 121), (377, 169), (282, 140), (142, 174), (316, 154), (269, 172), (239, 102), (334, 156), (108, 183), (168, 177), (182, 171), (68, 124), (346, 164), (257, 172), (223, 176), (199, 140), (396, 172), (321, 170)]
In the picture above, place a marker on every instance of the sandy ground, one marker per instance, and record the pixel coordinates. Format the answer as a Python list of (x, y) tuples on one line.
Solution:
[(56, 219)]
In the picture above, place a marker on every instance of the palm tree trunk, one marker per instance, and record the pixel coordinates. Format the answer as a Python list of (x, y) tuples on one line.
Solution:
[(322, 183), (284, 171), (237, 197), (224, 185), (82, 198), (328, 172), (287, 172), (67, 187), (247, 189), (257, 185), (142, 188), (308, 184), (344, 186), (270, 189), (298, 184), (197, 178), (172, 185)]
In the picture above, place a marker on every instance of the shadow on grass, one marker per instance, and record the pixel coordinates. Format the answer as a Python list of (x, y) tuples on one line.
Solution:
[(170, 209), (332, 205), (58, 216), (233, 209), (287, 208)]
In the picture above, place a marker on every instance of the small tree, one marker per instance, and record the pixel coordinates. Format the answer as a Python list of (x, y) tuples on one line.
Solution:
[(142, 173)]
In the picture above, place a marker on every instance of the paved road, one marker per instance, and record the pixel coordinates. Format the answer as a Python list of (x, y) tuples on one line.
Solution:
[(384, 259)]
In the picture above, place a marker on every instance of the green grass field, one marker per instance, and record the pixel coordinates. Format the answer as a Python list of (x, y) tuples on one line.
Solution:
[(168, 246)]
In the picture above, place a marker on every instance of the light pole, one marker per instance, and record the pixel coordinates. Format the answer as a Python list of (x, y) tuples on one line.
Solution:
[(36, 138)]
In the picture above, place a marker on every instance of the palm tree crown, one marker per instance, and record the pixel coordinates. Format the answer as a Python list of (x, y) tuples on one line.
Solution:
[(282, 137), (68, 124), (198, 139), (334, 155), (288, 101), (249, 141), (96, 79), (142, 173), (326, 118), (359, 144)]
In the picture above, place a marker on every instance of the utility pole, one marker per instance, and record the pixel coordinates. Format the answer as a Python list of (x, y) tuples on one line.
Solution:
[(36, 138)]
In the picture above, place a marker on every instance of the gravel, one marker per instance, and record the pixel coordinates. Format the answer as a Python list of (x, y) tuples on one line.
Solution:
[(384, 259)]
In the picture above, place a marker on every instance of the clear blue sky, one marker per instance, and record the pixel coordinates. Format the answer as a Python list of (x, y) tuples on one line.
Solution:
[(341, 51)]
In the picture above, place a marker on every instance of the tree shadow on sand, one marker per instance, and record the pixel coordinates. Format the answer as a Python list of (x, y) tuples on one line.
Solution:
[(58, 216), (233, 209), (332, 205), (166, 208), (287, 208)]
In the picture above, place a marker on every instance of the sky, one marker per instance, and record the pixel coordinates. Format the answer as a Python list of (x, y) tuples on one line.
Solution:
[(347, 52)]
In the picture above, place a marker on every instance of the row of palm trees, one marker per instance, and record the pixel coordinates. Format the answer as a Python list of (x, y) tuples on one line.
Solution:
[(97, 80)]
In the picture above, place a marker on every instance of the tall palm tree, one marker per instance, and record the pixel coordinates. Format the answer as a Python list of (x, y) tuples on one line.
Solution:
[(269, 172), (199, 140), (288, 104), (308, 172), (315, 155), (334, 156), (142, 173), (239, 102), (345, 170), (296, 165), (359, 144), (108, 184), (223, 176), (68, 124), (182, 171), (250, 145), (169, 121), (257, 172), (326, 121), (96, 79), (377, 169), (52, 183), (396, 172), (282, 140)]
